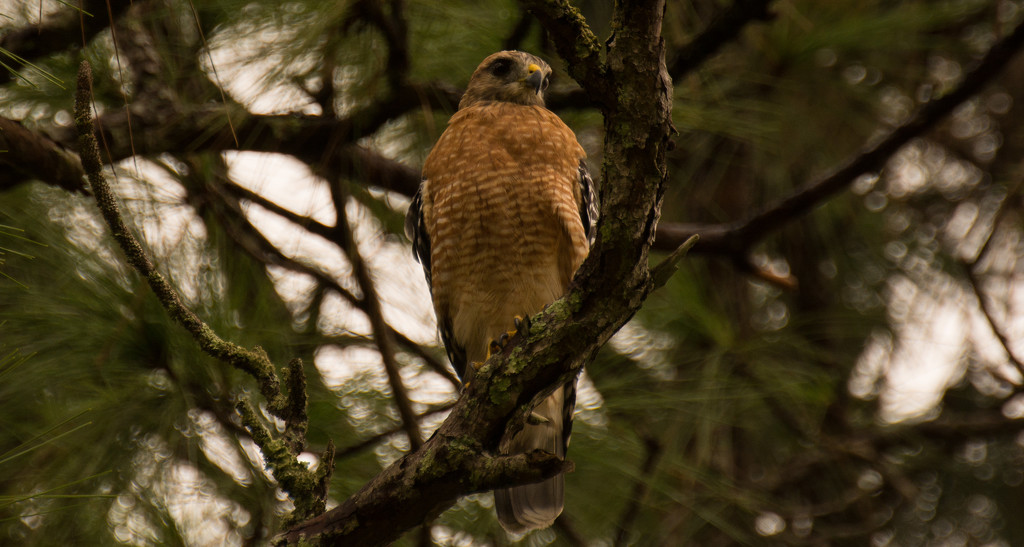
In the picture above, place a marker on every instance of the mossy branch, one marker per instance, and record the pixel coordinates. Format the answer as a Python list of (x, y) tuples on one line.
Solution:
[(489, 472), (296, 420), (254, 362), (575, 43), (307, 489), (295, 478)]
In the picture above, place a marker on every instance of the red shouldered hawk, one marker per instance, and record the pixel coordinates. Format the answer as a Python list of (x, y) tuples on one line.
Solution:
[(503, 218)]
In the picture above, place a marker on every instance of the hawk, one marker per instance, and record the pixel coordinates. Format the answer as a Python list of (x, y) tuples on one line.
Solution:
[(504, 216)]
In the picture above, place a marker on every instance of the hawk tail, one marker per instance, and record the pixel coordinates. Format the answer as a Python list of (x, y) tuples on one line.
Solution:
[(533, 506)]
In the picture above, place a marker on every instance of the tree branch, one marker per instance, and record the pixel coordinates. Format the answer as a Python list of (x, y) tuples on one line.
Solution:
[(307, 489), (975, 284), (395, 30), (608, 289), (371, 306), (309, 140), (293, 476), (737, 238), (373, 440), (576, 44), (304, 222), (250, 240), (723, 29), (254, 362), (25, 155), (161, 128), (61, 31), (653, 449)]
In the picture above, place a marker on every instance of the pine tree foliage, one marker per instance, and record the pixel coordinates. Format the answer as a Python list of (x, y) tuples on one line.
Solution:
[(843, 372)]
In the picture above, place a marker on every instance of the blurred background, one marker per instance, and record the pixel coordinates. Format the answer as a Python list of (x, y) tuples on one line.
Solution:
[(853, 379)]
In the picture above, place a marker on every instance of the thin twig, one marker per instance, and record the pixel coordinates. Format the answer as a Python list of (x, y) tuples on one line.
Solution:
[(975, 283), (255, 361), (305, 222), (986, 310), (373, 440), (297, 422), (302, 485), (213, 66), (371, 306), (653, 450), (430, 360), (241, 230), (260, 248)]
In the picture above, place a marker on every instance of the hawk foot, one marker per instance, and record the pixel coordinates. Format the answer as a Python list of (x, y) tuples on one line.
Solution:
[(522, 326), (496, 346)]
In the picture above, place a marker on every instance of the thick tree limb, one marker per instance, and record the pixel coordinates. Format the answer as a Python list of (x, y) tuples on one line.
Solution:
[(576, 44), (608, 290)]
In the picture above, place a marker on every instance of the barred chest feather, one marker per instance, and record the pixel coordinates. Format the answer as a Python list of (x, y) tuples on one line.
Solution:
[(503, 187)]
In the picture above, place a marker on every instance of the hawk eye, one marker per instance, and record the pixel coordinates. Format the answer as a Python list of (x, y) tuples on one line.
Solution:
[(501, 67), (544, 84)]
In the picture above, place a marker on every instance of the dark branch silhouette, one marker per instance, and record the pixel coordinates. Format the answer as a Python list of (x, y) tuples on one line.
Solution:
[(738, 238)]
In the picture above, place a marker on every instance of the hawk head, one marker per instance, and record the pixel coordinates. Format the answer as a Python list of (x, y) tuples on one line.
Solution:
[(508, 76)]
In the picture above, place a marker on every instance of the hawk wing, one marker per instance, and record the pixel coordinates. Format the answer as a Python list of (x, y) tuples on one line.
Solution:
[(416, 231), (589, 205)]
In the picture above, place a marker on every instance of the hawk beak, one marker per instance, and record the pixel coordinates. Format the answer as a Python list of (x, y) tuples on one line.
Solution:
[(535, 79)]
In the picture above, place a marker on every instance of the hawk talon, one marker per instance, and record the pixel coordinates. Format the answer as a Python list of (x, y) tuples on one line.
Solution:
[(522, 324), (492, 348), (499, 345)]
